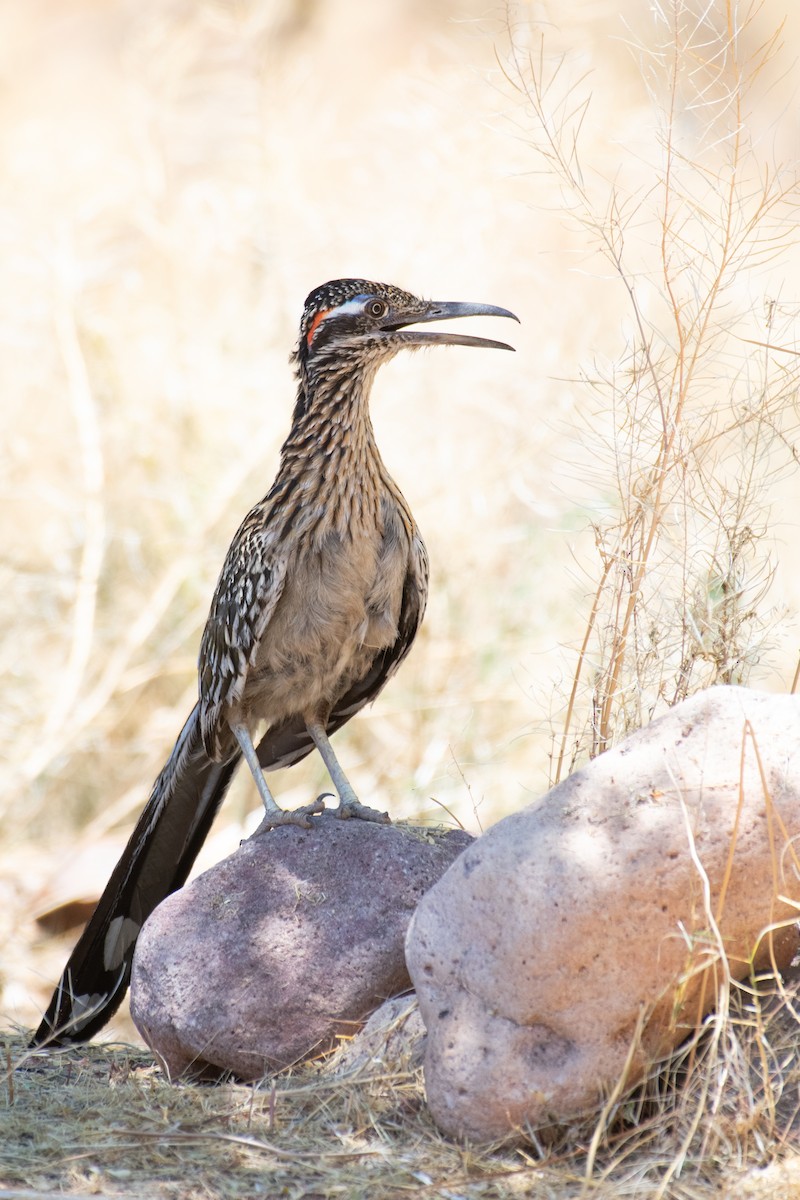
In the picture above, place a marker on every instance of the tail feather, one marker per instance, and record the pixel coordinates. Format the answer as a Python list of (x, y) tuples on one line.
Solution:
[(156, 861)]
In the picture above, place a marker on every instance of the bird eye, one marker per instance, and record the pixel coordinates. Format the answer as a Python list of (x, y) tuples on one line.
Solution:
[(377, 308)]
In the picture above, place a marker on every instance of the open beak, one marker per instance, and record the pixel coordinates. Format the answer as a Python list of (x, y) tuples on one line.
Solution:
[(441, 311)]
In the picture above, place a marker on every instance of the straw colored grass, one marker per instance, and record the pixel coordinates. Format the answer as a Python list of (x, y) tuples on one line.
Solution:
[(700, 415), (103, 1119)]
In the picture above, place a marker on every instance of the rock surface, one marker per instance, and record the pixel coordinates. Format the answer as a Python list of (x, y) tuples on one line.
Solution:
[(295, 938), (390, 1042), (620, 893)]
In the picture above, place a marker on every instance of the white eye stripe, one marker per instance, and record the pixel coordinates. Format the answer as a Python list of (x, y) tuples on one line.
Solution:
[(354, 307)]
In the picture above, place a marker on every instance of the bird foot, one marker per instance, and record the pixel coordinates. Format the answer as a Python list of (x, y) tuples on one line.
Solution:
[(295, 816), (361, 812)]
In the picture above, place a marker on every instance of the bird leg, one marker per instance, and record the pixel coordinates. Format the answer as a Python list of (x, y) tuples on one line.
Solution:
[(275, 815), (349, 804)]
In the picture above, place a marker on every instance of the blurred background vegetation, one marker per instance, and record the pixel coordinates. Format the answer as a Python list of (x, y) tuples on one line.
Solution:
[(175, 177)]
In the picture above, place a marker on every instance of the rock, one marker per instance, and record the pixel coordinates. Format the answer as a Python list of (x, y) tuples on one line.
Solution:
[(619, 894), (778, 1180), (390, 1042), (294, 939)]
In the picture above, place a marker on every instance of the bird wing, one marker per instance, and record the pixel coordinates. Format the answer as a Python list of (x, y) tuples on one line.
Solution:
[(248, 589), (288, 741), (184, 799)]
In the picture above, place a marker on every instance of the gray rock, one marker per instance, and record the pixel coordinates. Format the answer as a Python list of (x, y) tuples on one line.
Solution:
[(294, 939), (622, 899), (391, 1042)]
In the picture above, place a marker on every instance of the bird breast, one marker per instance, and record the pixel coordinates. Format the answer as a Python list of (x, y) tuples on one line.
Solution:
[(339, 608)]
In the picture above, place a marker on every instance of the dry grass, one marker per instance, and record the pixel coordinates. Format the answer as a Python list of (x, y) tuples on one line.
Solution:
[(702, 398), (103, 1120), (175, 179)]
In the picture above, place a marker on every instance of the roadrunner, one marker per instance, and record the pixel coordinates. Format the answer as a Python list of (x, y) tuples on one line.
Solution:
[(319, 599)]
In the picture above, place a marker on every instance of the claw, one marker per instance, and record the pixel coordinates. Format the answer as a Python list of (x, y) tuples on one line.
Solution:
[(295, 816), (361, 812)]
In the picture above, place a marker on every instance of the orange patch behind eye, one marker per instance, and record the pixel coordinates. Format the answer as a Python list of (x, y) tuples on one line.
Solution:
[(312, 329)]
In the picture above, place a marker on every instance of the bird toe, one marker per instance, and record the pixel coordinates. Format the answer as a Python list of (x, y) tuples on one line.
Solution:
[(295, 816), (361, 812)]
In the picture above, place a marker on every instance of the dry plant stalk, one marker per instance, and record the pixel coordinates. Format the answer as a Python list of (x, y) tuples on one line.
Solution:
[(731, 1093), (684, 563)]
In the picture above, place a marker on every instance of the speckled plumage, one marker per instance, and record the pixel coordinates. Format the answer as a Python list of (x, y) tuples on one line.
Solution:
[(315, 581), (318, 601)]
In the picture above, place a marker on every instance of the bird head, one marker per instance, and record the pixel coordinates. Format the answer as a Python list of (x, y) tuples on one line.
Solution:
[(360, 324)]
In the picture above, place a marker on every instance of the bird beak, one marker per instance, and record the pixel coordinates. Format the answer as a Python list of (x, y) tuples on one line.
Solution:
[(441, 311)]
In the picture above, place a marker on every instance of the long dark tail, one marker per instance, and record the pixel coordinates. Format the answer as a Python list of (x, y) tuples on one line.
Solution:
[(156, 861)]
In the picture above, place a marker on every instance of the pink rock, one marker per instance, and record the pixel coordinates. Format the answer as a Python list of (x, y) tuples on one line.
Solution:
[(629, 891), (292, 940), (390, 1043)]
